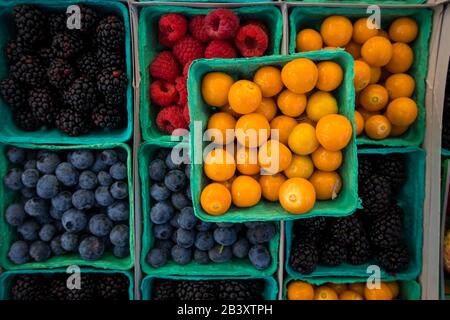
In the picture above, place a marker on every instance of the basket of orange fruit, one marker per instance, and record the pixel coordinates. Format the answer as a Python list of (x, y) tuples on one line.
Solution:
[(272, 138), (391, 63), (350, 289)]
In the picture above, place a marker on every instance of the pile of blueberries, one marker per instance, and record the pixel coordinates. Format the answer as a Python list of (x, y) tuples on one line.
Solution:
[(73, 201), (181, 237)]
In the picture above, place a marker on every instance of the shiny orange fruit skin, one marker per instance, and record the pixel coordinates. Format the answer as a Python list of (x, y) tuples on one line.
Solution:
[(330, 76), (374, 97), (252, 130), (325, 293), (215, 199), (337, 287), (244, 96), (377, 51), (267, 108), (297, 195), (361, 32), (334, 132), (326, 160), (395, 289), (402, 58), (303, 139), (400, 85), (402, 111), (382, 293), (300, 84), (284, 125), (274, 157), (215, 87), (229, 110), (403, 30), (228, 183), (336, 31), (300, 290), (247, 161), (397, 131), (291, 104), (350, 295), (219, 165), (359, 123), (354, 49), (268, 79), (225, 124), (300, 166), (245, 191), (270, 185), (362, 75), (308, 40), (367, 114), (357, 287), (377, 127), (327, 184)]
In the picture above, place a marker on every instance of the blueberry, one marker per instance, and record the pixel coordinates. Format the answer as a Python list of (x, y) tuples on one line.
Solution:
[(118, 171), (259, 256), (118, 211), (204, 240), (99, 165), (69, 241), (170, 163), (47, 162), (103, 196), (120, 235), (47, 232), (87, 180), (157, 257), (43, 218), (30, 164), (225, 236), (67, 174), (16, 155), (187, 219), (179, 200), (201, 257), (119, 190), (159, 191), (180, 255), (59, 226), (185, 238), (121, 252), (188, 192), (225, 224), (220, 254), (36, 206), (83, 199), (165, 245), (261, 233), (109, 157), (47, 186), (91, 248), (203, 226), (157, 170), (253, 224), (13, 179), (40, 251), (30, 178), (56, 246), (162, 153), (28, 193), (57, 214), (15, 214), (162, 231), (175, 180), (238, 227), (100, 225), (104, 179), (240, 248), (174, 220), (62, 201), (161, 212), (19, 252), (187, 171), (74, 220), (82, 159)]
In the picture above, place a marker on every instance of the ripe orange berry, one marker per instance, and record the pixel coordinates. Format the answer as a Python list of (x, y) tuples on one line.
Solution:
[(375, 75), (244, 96), (274, 157), (326, 184), (359, 122), (382, 293), (291, 104), (303, 140), (267, 108), (374, 97), (252, 130), (402, 58), (228, 183), (215, 87), (300, 290), (397, 131), (334, 132), (229, 110), (308, 40), (284, 125), (326, 160), (297, 195), (215, 199), (330, 76), (247, 161), (268, 79), (377, 127), (325, 293), (300, 75), (357, 287), (383, 33), (394, 287), (336, 31), (362, 75), (337, 287), (361, 32), (350, 295), (245, 191), (219, 165), (403, 30), (270, 185), (367, 114), (377, 51), (221, 128), (400, 85), (402, 111), (300, 166), (320, 104), (354, 49)]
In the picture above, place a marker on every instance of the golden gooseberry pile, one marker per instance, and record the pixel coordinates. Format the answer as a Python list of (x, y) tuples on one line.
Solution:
[(278, 136), (382, 59)]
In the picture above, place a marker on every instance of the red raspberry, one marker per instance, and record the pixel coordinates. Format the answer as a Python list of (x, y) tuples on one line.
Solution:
[(197, 28), (221, 24), (186, 70), (171, 118), (180, 85), (259, 23), (186, 113), (165, 67), (188, 49), (162, 39), (173, 26), (251, 41), (163, 93), (220, 49)]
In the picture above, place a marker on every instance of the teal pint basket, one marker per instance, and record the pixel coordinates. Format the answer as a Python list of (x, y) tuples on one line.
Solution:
[(383, 2), (108, 261), (410, 198), (233, 268), (149, 48), (347, 200), (9, 132), (7, 278), (311, 17), (270, 290)]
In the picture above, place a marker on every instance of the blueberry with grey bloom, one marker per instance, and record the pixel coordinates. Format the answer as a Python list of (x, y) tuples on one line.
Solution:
[(174, 220), (28, 193), (175, 180), (157, 170), (36, 206), (67, 174), (119, 235), (13, 179), (157, 257), (100, 225), (62, 201), (104, 179), (170, 163), (30, 164), (259, 256), (19, 252), (83, 199), (261, 233), (118, 171), (43, 218), (121, 252), (118, 211), (57, 214), (187, 218), (103, 196), (30, 178), (159, 191), (109, 157), (119, 190), (204, 240), (203, 226), (201, 257), (82, 159), (240, 248), (220, 254), (74, 220), (225, 224), (40, 251), (179, 200), (161, 212), (87, 180), (47, 232), (69, 241), (91, 248), (180, 255), (163, 231), (15, 214), (47, 187), (225, 236), (165, 245), (99, 165), (185, 238), (16, 155), (47, 162), (56, 246)]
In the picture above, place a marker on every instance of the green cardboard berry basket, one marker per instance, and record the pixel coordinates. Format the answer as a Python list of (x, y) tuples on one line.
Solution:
[(384, 2), (149, 48), (9, 132), (270, 290), (311, 17), (409, 289), (108, 261), (410, 198), (7, 278), (445, 152), (233, 268), (347, 200)]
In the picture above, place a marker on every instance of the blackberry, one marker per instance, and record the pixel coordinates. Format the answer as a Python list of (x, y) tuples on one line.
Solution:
[(30, 23), (359, 251), (310, 229), (13, 93), (332, 252), (81, 95), (164, 289), (304, 257), (60, 292), (392, 167), (46, 55), (28, 288), (113, 287), (29, 70), (199, 290), (89, 18), (15, 49), (42, 105), (60, 73), (110, 33), (57, 23), (25, 120), (243, 290), (108, 58), (87, 65), (66, 45), (365, 168), (346, 229), (376, 194), (386, 230), (107, 117), (112, 84), (72, 122), (394, 259)]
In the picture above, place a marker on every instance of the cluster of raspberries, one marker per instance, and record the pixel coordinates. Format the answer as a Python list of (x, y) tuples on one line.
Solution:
[(219, 34)]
